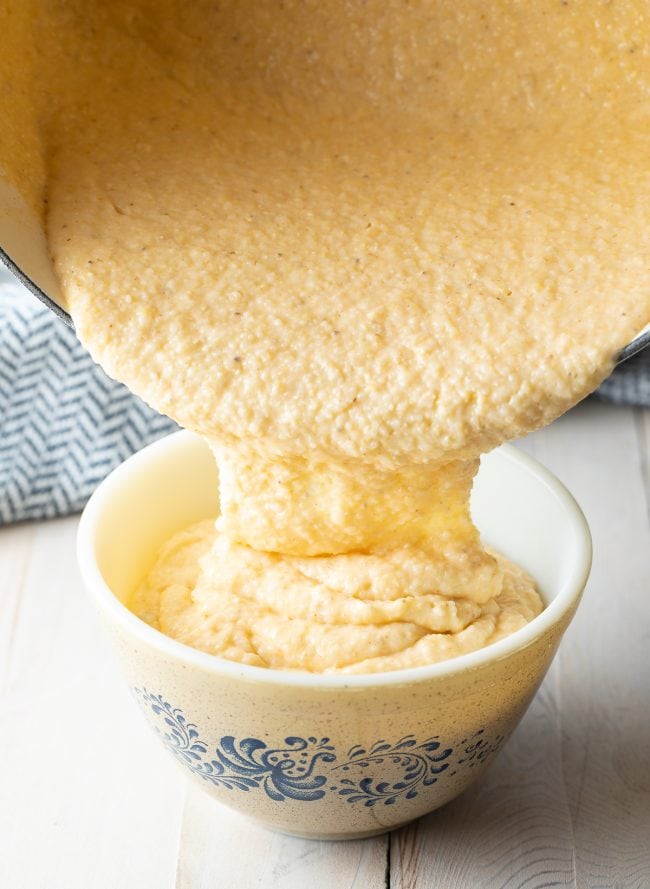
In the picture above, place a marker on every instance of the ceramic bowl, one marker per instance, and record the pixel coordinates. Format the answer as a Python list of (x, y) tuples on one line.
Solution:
[(330, 757)]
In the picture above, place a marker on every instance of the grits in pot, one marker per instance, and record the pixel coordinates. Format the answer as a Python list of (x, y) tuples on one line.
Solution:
[(353, 246)]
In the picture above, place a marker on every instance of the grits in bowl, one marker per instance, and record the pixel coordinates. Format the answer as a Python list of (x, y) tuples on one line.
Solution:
[(329, 755)]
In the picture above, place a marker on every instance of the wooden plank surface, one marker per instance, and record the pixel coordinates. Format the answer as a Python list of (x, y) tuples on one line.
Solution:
[(88, 801), (604, 694), (85, 799), (220, 848)]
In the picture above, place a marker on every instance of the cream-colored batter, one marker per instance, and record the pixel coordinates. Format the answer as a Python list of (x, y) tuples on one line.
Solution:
[(354, 245), (355, 613)]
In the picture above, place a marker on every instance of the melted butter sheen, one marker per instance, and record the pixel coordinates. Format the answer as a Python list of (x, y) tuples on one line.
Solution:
[(354, 245)]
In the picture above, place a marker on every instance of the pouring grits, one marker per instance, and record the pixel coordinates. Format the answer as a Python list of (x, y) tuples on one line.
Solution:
[(354, 246)]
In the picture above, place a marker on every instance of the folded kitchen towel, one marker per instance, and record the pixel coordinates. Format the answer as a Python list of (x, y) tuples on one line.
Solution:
[(64, 425), (630, 382)]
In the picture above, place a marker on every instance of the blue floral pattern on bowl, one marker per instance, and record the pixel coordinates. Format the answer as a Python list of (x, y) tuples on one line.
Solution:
[(307, 769)]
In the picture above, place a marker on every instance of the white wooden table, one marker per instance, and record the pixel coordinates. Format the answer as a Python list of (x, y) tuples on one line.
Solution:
[(89, 801)]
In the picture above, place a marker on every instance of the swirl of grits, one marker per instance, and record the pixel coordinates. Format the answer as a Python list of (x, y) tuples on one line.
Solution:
[(354, 246)]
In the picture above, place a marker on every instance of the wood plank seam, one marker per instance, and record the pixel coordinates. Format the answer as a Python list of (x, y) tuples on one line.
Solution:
[(389, 839), (5, 673), (642, 428)]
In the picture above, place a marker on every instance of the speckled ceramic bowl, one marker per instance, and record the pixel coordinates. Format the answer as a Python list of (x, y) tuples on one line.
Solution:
[(330, 756)]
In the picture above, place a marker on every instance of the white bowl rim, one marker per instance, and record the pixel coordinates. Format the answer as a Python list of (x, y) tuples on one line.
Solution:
[(568, 594)]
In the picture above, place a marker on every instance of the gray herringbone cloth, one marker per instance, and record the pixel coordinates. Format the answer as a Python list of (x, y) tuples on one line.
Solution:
[(64, 425), (630, 382)]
